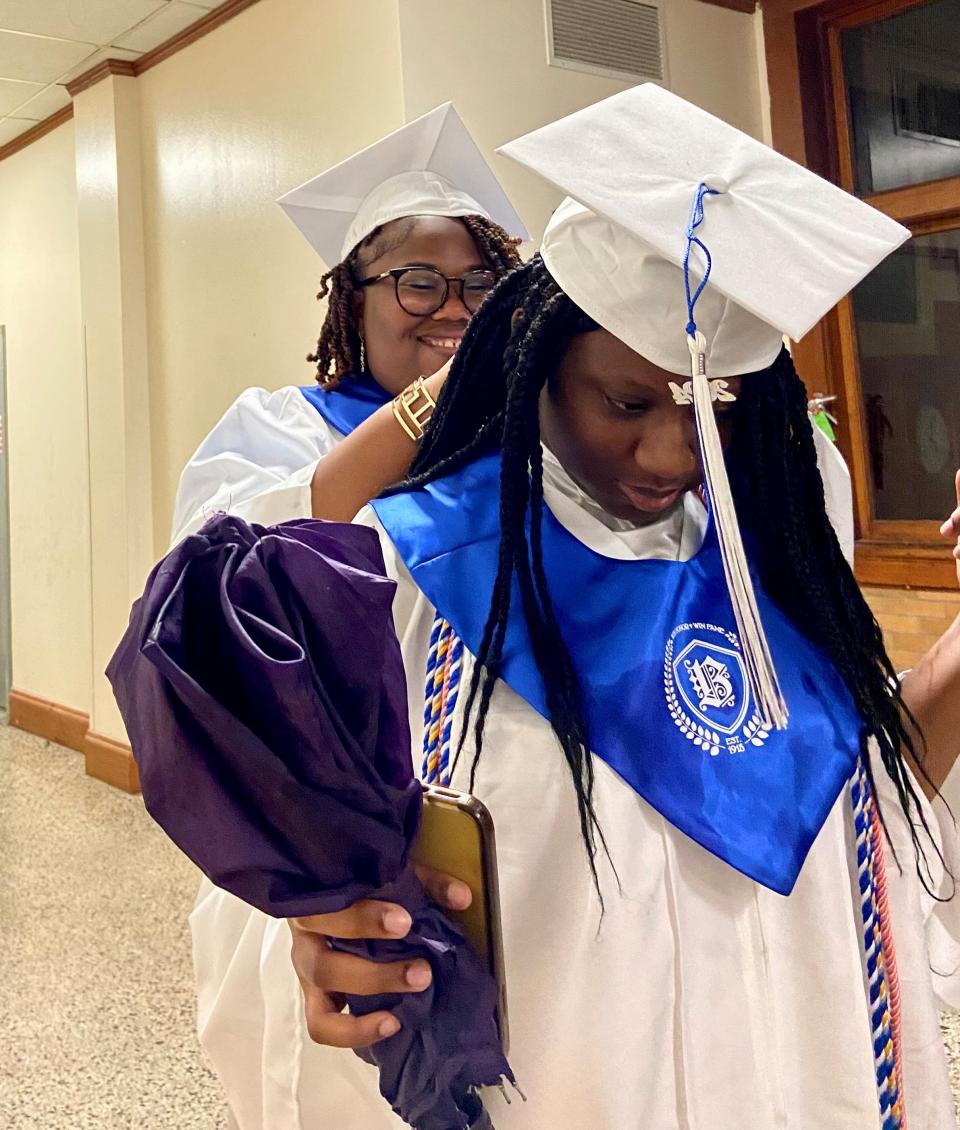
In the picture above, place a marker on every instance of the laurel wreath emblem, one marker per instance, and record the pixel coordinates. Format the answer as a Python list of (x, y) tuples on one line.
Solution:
[(754, 731)]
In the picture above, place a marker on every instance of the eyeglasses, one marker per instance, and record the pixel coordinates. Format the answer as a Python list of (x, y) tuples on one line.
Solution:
[(423, 290)]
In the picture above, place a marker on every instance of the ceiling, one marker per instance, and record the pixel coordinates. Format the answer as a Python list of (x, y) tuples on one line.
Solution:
[(45, 44)]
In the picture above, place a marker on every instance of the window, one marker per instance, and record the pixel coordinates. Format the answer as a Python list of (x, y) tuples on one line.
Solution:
[(894, 100)]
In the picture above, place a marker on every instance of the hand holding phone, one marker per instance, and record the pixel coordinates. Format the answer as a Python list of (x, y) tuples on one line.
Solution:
[(327, 976)]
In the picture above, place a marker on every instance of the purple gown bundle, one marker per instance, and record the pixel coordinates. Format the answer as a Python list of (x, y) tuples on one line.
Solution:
[(262, 687)]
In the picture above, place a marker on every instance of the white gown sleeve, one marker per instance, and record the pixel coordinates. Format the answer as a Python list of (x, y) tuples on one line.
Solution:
[(943, 928), (257, 462), (924, 889), (837, 490)]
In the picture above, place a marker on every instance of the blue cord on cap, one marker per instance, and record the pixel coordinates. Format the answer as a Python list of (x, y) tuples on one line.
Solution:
[(696, 219)]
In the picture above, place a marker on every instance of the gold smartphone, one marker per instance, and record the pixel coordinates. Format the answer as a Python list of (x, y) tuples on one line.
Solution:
[(456, 837)]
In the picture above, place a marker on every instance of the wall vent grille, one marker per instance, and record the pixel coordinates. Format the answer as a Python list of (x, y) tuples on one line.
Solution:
[(623, 38)]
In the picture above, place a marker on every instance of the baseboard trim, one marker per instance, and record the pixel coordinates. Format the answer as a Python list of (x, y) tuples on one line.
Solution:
[(111, 761), (50, 720), (105, 758)]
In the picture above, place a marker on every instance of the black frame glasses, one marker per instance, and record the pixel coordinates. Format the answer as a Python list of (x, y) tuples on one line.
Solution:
[(433, 297)]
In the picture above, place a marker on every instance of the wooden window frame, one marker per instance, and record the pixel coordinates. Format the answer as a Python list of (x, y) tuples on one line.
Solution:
[(810, 122)]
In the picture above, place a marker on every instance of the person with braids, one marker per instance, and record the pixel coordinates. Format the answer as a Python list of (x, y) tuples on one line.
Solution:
[(725, 874), (417, 227)]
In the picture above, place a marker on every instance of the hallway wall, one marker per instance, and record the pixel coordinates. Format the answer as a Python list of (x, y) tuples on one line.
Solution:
[(46, 424)]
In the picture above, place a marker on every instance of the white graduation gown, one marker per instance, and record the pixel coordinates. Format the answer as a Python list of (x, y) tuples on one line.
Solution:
[(702, 1002), (257, 462)]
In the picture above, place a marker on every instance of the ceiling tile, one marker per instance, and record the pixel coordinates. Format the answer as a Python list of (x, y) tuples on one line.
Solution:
[(13, 127), (35, 58), (14, 94), (54, 98), (91, 21), (173, 17), (91, 61)]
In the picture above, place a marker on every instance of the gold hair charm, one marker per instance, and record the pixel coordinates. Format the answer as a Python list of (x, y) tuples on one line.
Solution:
[(719, 390)]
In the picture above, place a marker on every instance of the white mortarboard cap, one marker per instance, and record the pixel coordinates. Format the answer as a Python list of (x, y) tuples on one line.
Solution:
[(430, 167), (786, 245)]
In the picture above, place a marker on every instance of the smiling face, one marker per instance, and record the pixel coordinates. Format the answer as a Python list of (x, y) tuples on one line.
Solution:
[(610, 418), (401, 347)]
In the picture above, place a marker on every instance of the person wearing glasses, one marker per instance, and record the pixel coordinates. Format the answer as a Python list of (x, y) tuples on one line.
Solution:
[(420, 231)]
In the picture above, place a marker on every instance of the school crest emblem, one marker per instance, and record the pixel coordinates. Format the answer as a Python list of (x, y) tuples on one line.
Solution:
[(706, 689)]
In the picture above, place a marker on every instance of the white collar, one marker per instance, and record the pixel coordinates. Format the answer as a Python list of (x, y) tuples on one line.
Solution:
[(675, 537)]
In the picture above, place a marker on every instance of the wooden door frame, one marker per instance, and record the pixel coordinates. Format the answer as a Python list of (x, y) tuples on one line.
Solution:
[(803, 126)]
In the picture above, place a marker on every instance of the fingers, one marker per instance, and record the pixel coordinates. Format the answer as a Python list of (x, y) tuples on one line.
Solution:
[(322, 967), (951, 527), (327, 1025), (444, 890), (327, 976), (365, 919)]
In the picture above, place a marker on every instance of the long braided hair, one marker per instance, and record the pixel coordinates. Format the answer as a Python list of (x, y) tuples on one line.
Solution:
[(338, 351), (511, 349)]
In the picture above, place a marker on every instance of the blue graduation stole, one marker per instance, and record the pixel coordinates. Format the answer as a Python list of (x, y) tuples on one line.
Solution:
[(345, 407), (665, 694)]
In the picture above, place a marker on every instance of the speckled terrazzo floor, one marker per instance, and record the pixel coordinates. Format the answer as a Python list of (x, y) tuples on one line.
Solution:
[(950, 1026), (96, 994), (95, 984)]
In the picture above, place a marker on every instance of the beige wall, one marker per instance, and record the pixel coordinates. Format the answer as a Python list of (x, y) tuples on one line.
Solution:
[(763, 80), (715, 62), (106, 124), (490, 59), (265, 102), (49, 506)]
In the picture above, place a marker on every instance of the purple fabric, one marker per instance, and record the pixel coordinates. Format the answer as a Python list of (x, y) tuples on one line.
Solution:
[(262, 687)]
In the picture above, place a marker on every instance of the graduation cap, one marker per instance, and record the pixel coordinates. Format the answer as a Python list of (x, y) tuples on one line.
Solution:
[(700, 248), (430, 167)]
